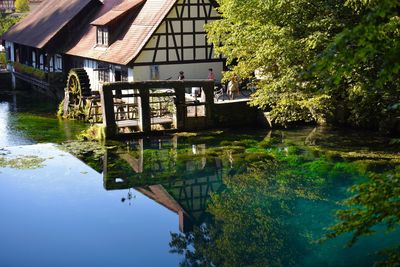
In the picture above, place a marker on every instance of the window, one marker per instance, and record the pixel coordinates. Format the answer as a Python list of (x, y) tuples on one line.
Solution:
[(58, 63), (104, 72), (41, 62), (33, 59), (102, 36), (8, 53), (121, 74), (51, 63), (124, 74)]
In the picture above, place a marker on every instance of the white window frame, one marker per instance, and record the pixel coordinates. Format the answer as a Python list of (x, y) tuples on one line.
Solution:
[(34, 59), (58, 63), (41, 62), (102, 36), (51, 64)]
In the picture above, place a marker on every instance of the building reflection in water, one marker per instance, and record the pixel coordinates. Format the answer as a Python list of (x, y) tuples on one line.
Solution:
[(179, 179)]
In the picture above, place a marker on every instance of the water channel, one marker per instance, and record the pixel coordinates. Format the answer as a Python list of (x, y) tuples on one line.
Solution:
[(217, 198)]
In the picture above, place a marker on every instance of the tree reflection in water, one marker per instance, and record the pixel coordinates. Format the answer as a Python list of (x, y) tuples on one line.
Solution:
[(236, 198), (249, 219)]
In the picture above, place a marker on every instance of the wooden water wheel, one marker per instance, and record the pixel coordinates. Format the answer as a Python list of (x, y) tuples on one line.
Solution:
[(76, 93)]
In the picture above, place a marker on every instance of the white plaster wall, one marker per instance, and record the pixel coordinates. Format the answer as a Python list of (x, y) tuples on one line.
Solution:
[(192, 71), (130, 75), (187, 41), (89, 66)]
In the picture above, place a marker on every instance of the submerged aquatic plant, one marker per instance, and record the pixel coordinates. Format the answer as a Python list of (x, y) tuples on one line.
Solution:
[(22, 163), (263, 182), (93, 133), (249, 218), (374, 202), (45, 128), (84, 149)]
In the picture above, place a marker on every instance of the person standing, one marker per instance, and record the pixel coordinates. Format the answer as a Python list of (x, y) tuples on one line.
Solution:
[(233, 86), (211, 75), (181, 76)]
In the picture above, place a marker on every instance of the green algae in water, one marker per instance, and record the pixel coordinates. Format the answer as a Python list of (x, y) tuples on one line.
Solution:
[(89, 151), (41, 128), (93, 133), (22, 163), (81, 149), (268, 205)]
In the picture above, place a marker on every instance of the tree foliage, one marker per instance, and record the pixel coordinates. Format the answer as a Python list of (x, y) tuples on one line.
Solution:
[(279, 40), (362, 66), (22, 5), (375, 202), (6, 22), (314, 56)]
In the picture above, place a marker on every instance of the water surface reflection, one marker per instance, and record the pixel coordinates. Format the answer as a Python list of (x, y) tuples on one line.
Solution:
[(29, 118), (259, 201), (259, 198)]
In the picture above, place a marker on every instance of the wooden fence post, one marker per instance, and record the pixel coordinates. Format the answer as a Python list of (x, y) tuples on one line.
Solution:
[(107, 105), (144, 110), (208, 90), (180, 105)]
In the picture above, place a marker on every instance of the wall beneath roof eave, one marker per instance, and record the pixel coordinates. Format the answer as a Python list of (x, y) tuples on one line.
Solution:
[(171, 71), (90, 66)]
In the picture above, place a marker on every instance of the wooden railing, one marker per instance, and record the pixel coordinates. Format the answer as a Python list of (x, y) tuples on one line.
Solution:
[(144, 104)]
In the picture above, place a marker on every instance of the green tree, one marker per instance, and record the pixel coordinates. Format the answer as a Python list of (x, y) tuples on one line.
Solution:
[(22, 5), (6, 22), (316, 56), (361, 67), (279, 40)]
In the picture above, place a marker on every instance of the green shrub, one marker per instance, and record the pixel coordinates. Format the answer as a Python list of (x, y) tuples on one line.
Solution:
[(25, 69), (3, 60)]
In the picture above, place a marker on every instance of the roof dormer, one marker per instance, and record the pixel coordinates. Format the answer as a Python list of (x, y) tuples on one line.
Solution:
[(109, 24)]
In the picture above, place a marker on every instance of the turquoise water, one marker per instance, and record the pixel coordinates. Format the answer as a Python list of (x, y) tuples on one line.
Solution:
[(28, 118), (221, 198)]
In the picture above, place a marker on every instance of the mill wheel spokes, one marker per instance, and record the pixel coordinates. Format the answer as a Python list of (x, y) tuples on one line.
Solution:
[(76, 92), (75, 95)]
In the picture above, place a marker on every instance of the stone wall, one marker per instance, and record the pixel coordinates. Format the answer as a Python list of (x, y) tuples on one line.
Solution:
[(235, 114)]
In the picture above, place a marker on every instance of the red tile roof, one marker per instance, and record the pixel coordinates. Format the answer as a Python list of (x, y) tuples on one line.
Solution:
[(132, 40), (118, 11), (38, 28)]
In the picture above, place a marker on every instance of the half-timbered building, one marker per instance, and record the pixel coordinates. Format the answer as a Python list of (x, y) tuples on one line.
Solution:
[(114, 40)]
